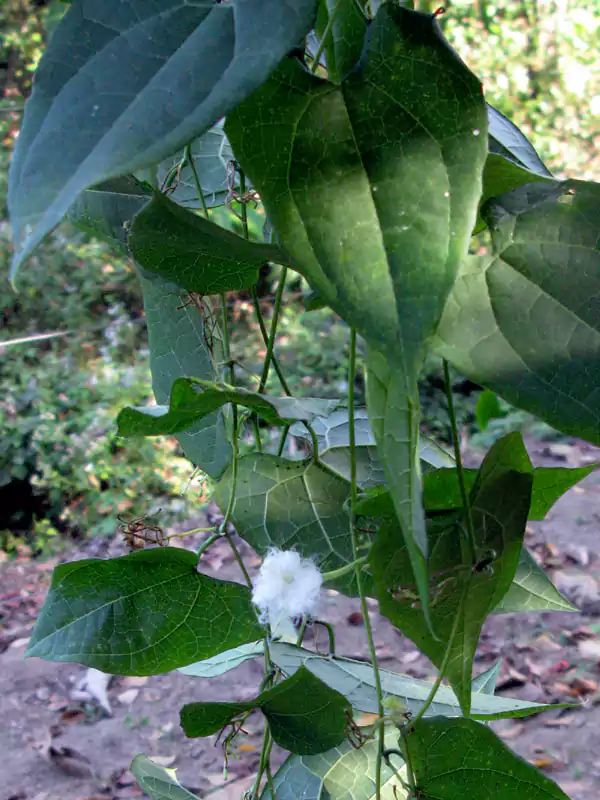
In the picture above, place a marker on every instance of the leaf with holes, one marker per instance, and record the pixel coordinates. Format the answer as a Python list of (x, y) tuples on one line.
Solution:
[(192, 400), (179, 66), (193, 252), (292, 504), (461, 590), (141, 614)]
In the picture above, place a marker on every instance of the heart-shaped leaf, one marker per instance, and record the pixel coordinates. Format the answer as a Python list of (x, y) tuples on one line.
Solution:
[(157, 782), (346, 26), (532, 590), (142, 614)]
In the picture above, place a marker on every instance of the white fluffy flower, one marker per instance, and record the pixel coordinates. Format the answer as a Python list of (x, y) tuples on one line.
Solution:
[(287, 586)]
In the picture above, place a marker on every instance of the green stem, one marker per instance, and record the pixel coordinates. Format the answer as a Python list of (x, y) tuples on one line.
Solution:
[(205, 545), (358, 571), (190, 158), (270, 357), (459, 465), (326, 32), (330, 634), (191, 533), (339, 573), (265, 337), (282, 441), (265, 753)]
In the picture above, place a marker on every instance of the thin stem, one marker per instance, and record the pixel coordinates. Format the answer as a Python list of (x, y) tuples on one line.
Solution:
[(243, 209), (283, 439), (330, 634), (459, 465), (191, 533), (270, 783), (357, 569), (265, 752), (190, 158), (326, 32), (271, 341), (206, 544), (339, 573), (301, 632), (265, 337)]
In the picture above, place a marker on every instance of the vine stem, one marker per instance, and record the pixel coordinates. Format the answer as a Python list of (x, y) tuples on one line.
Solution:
[(326, 32), (459, 465), (355, 553), (339, 573), (270, 358)]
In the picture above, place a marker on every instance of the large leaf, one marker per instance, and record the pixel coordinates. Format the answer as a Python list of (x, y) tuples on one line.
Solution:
[(346, 25), (383, 170), (526, 322), (224, 662), (211, 153), (292, 504), (462, 758), (192, 400), (532, 590), (343, 773), (506, 140), (124, 85), (157, 782), (193, 252), (333, 438), (305, 715), (184, 342), (354, 679), (460, 589), (142, 614)]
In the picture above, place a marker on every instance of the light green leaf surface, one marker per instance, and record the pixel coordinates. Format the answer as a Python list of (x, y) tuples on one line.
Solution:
[(192, 400), (385, 171), (354, 679), (506, 140), (141, 614), (462, 758), (157, 782), (487, 408), (292, 504), (532, 590), (485, 683), (526, 322), (224, 662), (193, 252), (183, 342), (78, 131)]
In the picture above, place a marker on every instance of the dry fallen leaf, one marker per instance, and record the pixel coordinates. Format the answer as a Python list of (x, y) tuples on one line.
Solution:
[(365, 720), (70, 761), (127, 697), (164, 761)]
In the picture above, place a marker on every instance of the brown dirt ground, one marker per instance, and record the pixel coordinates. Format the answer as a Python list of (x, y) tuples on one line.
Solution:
[(549, 657)]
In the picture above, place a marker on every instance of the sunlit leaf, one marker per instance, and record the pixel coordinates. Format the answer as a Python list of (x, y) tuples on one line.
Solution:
[(506, 140), (157, 782), (224, 662)]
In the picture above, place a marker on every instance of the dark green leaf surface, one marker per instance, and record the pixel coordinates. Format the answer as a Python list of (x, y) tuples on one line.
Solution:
[(499, 500), (461, 757), (346, 35), (285, 504), (383, 170), (182, 342), (141, 614), (532, 590), (193, 252), (354, 679), (305, 715), (214, 54), (526, 322), (192, 400), (157, 782)]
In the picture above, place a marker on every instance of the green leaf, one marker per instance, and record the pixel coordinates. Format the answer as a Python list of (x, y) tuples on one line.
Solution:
[(193, 252), (383, 170), (532, 590), (107, 210), (545, 277), (499, 503), (461, 757), (192, 400), (346, 35), (485, 683), (333, 439), (487, 408), (506, 140), (211, 153), (224, 662), (179, 65), (305, 715), (142, 614), (355, 680), (292, 504), (342, 773), (184, 342), (157, 782)]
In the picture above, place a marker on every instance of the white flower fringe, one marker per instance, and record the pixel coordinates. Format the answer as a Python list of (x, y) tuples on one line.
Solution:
[(287, 586)]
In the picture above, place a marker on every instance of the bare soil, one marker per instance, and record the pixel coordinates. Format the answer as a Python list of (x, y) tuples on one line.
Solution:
[(54, 744)]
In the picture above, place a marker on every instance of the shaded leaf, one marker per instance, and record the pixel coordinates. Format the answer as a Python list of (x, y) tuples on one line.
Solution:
[(144, 49), (487, 408), (345, 38), (403, 138), (462, 757), (224, 662), (193, 252), (485, 683), (142, 614), (183, 342), (499, 503), (532, 590), (305, 715), (525, 322), (506, 140), (354, 679), (192, 400), (157, 782), (292, 504)]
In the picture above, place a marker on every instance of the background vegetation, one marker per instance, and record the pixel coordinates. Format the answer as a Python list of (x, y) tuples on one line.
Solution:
[(62, 468)]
